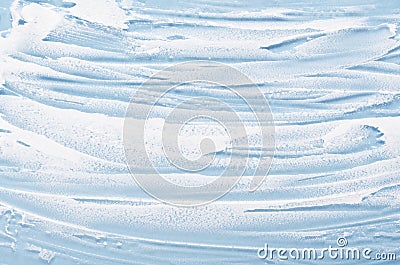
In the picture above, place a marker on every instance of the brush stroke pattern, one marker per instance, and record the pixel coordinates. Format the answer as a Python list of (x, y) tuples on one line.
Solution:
[(330, 71)]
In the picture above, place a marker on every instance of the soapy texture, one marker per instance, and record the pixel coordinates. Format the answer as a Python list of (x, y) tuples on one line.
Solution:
[(330, 71)]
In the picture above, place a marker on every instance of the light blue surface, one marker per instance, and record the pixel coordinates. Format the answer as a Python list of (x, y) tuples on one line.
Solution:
[(331, 74)]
